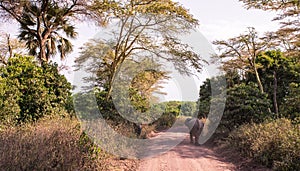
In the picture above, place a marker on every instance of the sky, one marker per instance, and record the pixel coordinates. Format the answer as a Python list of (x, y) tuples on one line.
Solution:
[(219, 20)]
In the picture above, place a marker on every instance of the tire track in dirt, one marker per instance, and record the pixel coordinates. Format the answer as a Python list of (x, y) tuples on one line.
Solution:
[(186, 157)]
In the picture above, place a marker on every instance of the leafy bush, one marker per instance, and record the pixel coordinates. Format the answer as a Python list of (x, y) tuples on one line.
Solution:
[(188, 108), (291, 107), (165, 120), (9, 107), (275, 144), (244, 104), (167, 113), (29, 91), (93, 106)]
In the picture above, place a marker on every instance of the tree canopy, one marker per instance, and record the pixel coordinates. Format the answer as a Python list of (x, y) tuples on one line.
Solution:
[(287, 37), (42, 24), (146, 29)]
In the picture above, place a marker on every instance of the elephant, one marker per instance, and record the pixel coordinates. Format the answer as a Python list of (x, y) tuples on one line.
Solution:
[(195, 126)]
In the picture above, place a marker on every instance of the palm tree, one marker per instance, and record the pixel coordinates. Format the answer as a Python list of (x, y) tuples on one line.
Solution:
[(45, 25)]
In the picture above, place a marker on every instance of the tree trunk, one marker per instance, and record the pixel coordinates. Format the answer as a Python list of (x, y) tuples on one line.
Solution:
[(42, 41), (261, 88), (275, 93), (9, 46), (110, 83), (42, 54)]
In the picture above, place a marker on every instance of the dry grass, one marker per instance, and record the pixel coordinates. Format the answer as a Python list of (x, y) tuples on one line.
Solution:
[(52, 144), (274, 144)]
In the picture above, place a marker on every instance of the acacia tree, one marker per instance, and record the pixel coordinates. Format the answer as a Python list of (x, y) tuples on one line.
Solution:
[(42, 22), (288, 36), (143, 77), (240, 53), (148, 29), (148, 82), (144, 84)]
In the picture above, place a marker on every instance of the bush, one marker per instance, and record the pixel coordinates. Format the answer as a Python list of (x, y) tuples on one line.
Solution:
[(92, 106), (56, 144), (245, 104), (166, 120), (188, 108), (29, 91), (291, 107), (9, 107), (166, 113), (275, 144)]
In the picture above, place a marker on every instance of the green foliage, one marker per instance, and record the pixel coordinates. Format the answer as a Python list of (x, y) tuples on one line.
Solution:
[(173, 107), (276, 144), (291, 107), (244, 104), (188, 109), (9, 107), (32, 91), (107, 107), (277, 72), (204, 99), (165, 120), (168, 112), (45, 26)]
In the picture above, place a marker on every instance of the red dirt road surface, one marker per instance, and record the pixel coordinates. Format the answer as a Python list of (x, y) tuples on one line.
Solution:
[(186, 157)]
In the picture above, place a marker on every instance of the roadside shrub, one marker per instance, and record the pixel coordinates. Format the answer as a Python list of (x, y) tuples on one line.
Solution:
[(166, 120), (31, 91), (275, 144), (49, 144), (9, 107), (91, 107)]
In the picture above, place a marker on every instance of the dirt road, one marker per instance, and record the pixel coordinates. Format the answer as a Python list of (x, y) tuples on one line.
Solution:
[(186, 157)]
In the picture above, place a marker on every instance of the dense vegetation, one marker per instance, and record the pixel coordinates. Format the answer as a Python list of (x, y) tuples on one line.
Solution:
[(262, 112), (36, 106), (29, 91), (273, 143)]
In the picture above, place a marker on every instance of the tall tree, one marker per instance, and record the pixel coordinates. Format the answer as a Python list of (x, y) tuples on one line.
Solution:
[(148, 28), (277, 72), (139, 80), (273, 63), (42, 22), (288, 15), (148, 82), (240, 53)]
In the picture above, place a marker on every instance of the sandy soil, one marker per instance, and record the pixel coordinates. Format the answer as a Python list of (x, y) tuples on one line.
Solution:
[(186, 157)]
